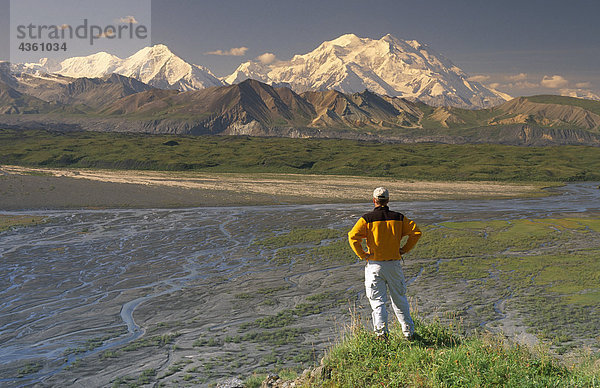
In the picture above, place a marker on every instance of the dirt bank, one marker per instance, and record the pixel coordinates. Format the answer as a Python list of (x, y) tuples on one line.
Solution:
[(36, 188)]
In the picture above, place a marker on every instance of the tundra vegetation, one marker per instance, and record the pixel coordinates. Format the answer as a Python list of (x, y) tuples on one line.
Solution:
[(9, 221), (424, 161), (544, 270)]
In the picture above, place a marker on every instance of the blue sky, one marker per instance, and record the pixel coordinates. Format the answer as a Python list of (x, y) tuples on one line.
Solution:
[(520, 47)]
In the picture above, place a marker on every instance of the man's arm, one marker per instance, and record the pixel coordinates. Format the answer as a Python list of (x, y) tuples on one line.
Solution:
[(414, 234), (355, 237)]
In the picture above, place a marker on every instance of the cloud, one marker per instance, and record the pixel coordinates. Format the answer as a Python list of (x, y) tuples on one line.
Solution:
[(236, 52), (109, 33), (479, 78), (266, 58), (517, 77), (515, 85), (515, 81), (554, 82), (523, 85), (583, 84), (127, 20)]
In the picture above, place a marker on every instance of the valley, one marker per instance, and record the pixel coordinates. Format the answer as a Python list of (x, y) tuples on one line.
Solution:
[(164, 226)]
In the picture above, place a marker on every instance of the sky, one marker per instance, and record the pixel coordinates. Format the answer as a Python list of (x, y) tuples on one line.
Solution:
[(521, 47)]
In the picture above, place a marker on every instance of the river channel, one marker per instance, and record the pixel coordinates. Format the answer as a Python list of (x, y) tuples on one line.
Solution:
[(83, 273)]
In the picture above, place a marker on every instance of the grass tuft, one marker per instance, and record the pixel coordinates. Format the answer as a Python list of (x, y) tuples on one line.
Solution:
[(440, 358)]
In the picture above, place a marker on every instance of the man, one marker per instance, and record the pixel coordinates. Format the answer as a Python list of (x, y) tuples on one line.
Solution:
[(383, 229)]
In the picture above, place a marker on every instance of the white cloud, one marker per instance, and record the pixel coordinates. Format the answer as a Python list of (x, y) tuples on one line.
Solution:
[(479, 78), (512, 82), (583, 84), (514, 85), (523, 85), (109, 33), (266, 58), (235, 51), (517, 77), (127, 20), (554, 82)]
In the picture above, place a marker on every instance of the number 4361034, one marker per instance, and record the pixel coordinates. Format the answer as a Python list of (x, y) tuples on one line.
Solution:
[(28, 46)]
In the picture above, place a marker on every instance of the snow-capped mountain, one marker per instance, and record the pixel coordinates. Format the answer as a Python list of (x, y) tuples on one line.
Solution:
[(580, 93), (388, 66), (156, 66)]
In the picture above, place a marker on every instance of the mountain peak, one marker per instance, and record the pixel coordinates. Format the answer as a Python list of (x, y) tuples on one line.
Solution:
[(154, 65), (345, 40), (161, 47), (156, 53), (388, 66), (389, 38), (156, 50)]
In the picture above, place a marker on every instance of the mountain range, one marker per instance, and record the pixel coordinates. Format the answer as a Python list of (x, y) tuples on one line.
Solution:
[(388, 66), (351, 87), (122, 104), (349, 64), (156, 66)]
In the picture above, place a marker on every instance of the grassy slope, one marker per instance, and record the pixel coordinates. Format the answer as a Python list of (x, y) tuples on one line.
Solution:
[(538, 262), (553, 295), (480, 118), (312, 156), (439, 358), (471, 118), (591, 105)]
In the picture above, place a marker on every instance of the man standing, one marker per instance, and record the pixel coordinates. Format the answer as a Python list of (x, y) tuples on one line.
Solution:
[(383, 229)]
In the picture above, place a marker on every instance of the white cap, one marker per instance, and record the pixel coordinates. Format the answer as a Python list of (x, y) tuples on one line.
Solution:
[(381, 193)]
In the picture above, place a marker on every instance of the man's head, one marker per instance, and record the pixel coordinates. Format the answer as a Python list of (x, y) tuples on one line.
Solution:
[(381, 196)]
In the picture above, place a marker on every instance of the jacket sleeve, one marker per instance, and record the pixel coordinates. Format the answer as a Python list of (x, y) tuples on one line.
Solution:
[(355, 237), (414, 234)]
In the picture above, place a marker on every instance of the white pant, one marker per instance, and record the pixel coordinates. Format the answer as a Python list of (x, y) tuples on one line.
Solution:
[(379, 276)]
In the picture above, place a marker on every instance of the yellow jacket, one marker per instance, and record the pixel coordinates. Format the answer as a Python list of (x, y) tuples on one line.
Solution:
[(383, 230)]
